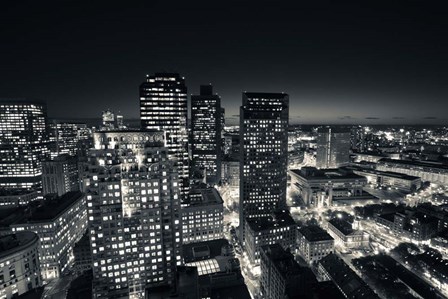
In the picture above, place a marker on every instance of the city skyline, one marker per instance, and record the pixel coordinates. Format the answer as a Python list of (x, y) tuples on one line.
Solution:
[(379, 63), (220, 150)]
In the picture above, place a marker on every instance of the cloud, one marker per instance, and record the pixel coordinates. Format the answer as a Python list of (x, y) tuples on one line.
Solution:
[(346, 117), (398, 117), (371, 117), (429, 117)]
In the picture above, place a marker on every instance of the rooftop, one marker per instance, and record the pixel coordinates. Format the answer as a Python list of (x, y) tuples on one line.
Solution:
[(415, 163), (212, 248), (283, 261), (314, 233), (205, 196), (342, 225), (384, 173), (278, 219), (54, 207), (15, 192), (344, 277), (312, 173), (14, 242)]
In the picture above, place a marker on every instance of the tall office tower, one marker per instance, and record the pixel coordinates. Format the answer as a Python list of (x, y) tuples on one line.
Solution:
[(64, 139), (134, 213), (333, 147), (24, 143), (263, 154), (163, 106), (206, 122), (60, 175)]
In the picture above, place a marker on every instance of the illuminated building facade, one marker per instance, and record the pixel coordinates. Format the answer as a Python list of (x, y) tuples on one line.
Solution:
[(59, 223), (134, 213), (19, 264), (344, 235), (64, 139), (320, 187), (112, 121), (16, 198), (333, 147), (427, 171), (263, 154), (24, 143), (206, 122), (278, 228), (202, 216), (314, 243), (163, 106), (60, 175)]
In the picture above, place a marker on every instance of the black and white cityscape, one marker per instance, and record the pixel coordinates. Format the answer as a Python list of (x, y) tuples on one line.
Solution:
[(235, 150)]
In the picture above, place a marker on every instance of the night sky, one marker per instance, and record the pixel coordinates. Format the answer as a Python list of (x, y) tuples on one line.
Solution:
[(341, 62)]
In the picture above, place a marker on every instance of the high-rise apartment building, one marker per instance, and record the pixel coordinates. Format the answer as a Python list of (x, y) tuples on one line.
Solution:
[(206, 122), (333, 147), (133, 205), (263, 154), (60, 175), (163, 106), (24, 143)]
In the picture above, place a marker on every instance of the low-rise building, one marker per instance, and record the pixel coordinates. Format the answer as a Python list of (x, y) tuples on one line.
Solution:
[(19, 264), (427, 171), (410, 224), (218, 270), (59, 223), (320, 187), (278, 228), (202, 216), (344, 234), (333, 268), (399, 181), (314, 243)]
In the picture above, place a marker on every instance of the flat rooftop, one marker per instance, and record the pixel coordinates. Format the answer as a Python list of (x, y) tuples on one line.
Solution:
[(278, 219), (312, 173), (214, 247), (54, 207), (415, 163), (342, 225), (13, 242), (206, 196), (38, 211), (314, 233), (384, 173), (282, 260)]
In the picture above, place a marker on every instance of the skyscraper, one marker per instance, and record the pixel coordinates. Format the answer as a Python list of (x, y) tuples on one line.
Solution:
[(163, 106), (206, 122), (264, 154), (64, 139), (333, 147), (24, 143), (60, 175), (134, 213)]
